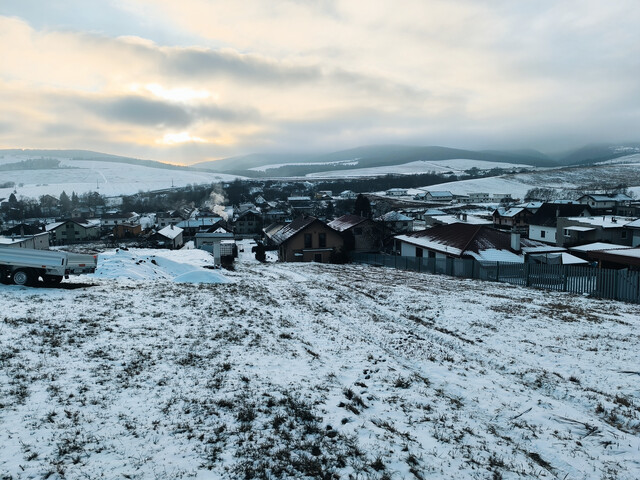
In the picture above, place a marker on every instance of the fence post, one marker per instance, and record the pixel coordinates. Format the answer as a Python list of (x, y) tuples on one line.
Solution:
[(497, 271), (564, 278)]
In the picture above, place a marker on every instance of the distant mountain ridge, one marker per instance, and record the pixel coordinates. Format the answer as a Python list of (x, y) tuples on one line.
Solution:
[(367, 157)]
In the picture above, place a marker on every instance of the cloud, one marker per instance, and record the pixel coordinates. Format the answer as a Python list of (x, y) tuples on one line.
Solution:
[(319, 74)]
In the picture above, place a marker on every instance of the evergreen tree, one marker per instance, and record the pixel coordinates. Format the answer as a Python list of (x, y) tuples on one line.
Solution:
[(65, 203), (362, 206)]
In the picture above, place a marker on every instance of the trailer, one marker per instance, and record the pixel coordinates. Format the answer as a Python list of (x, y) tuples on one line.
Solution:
[(25, 266)]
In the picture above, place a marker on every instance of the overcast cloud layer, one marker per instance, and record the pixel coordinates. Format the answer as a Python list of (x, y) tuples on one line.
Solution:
[(197, 80)]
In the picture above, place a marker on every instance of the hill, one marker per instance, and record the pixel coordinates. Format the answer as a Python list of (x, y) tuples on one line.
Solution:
[(363, 157), (313, 371), (38, 172)]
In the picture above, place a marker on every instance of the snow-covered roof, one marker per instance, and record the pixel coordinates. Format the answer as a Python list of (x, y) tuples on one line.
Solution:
[(605, 221), (509, 212), (346, 222), (576, 228), (450, 219), (616, 197), (440, 193), (496, 255), (462, 239), (170, 232), (287, 231), (395, 217), (596, 246), (200, 222)]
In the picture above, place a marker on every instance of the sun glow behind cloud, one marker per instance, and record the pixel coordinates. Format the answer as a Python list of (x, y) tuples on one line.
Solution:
[(182, 137), (181, 94), (217, 78)]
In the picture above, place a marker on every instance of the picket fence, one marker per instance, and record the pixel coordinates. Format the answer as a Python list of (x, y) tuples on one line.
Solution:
[(623, 285)]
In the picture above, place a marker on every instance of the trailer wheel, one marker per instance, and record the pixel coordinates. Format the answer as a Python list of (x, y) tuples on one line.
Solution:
[(21, 277), (52, 279)]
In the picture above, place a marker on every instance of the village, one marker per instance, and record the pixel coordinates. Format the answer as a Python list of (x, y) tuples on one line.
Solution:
[(303, 224)]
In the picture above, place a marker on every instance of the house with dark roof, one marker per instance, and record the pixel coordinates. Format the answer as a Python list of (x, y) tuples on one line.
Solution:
[(360, 234), (72, 231), (515, 219), (604, 203), (248, 222), (396, 221), (460, 240), (306, 239), (543, 223)]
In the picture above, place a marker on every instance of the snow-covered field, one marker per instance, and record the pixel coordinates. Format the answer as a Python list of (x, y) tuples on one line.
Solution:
[(314, 371), (622, 171), (107, 178), (457, 165)]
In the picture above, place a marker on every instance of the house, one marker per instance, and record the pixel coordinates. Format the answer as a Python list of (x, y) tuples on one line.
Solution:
[(39, 241), (586, 251), (110, 220), (307, 239), (396, 222), (301, 205), (273, 216), (571, 231), (349, 195), (396, 192), (479, 197), (219, 243), (360, 234), (516, 219), (127, 230), (460, 240), (543, 223), (634, 231), (192, 226), (248, 222), (604, 203), (439, 196), (167, 218), (72, 231), (170, 237)]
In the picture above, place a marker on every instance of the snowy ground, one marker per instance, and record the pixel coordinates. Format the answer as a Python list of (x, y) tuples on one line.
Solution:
[(315, 371), (107, 178)]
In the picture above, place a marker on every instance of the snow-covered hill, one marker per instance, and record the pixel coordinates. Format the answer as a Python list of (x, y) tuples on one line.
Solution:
[(316, 371), (621, 171), (107, 177)]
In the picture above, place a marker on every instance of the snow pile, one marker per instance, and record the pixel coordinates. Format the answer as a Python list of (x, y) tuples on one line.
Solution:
[(182, 266)]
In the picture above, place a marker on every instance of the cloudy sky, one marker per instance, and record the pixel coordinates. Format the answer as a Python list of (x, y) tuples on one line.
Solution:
[(194, 80)]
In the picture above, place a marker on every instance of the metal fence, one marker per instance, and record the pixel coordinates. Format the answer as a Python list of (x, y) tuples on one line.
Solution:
[(611, 284)]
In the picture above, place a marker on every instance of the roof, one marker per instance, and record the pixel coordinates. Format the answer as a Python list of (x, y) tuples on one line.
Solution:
[(626, 257), (509, 212), (440, 193), (596, 246), (200, 222), (170, 232), (548, 213), (53, 226), (605, 221), (576, 228), (395, 217), (461, 239), (616, 197), (346, 222), (287, 231)]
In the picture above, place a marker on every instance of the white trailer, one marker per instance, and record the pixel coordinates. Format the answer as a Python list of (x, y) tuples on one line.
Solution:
[(27, 266)]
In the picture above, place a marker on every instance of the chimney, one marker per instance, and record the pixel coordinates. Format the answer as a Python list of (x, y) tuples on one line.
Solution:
[(515, 242)]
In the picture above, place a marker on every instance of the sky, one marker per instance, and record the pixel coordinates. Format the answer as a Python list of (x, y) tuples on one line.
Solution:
[(197, 80)]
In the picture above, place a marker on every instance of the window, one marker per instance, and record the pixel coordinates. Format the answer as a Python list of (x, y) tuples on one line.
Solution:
[(419, 252), (542, 233), (623, 234), (322, 240), (307, 240), (567, 233)]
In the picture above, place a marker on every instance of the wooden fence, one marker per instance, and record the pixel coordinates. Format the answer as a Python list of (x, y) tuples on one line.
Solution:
[(611, 284)]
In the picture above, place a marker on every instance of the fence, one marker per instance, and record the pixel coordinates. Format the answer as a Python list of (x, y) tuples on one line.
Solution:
[(621, 285)]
